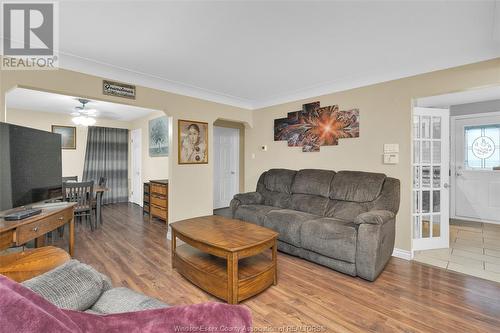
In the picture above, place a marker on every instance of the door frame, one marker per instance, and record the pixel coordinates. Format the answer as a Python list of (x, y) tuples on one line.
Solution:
[(237, 162), (443, 240), (453, 151), (136, 193)]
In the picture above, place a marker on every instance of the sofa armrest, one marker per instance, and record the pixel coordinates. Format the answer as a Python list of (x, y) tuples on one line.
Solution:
[(374, 217), (375, 242), (249, 198)]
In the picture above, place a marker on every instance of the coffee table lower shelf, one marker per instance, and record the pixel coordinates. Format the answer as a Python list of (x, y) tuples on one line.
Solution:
[(210, 273)]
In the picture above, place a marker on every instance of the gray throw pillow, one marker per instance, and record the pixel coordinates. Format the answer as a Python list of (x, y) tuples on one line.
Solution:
[(73, 286), (122, 299)]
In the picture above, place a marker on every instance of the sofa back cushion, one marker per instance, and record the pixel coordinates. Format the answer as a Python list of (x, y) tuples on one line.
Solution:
[(279, 180), (356, 186), (313, 181), (389, 196), (275, 186)]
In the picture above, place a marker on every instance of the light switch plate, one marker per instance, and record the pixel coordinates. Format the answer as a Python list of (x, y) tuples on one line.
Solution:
[(390, 148)]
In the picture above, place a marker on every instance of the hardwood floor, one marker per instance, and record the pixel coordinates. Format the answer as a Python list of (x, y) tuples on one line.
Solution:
[(408, 296)]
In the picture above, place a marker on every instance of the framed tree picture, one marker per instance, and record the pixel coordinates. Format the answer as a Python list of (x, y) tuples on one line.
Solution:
[(193, 142), (68, 136), (158, 137)]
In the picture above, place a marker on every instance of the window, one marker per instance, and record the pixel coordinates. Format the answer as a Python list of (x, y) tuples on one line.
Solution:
[(482, 147)]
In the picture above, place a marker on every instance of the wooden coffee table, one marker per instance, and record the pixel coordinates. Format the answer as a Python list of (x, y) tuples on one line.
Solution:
[(225, 257)]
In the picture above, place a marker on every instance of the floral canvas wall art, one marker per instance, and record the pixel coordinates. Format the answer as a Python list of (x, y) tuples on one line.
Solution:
[(316, 126)]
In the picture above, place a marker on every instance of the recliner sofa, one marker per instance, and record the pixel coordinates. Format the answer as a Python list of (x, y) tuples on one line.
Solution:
[(343, 220)]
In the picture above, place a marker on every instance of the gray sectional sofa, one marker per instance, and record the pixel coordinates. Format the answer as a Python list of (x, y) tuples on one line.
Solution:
[(344, 220)]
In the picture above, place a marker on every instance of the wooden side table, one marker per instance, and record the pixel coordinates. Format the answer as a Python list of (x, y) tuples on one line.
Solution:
[(25, 265)]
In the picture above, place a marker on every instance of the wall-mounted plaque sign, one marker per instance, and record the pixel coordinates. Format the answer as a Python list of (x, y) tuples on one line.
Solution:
[(118, 89)]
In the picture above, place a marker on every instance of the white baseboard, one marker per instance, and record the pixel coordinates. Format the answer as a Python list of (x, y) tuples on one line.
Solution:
[(402, 254)]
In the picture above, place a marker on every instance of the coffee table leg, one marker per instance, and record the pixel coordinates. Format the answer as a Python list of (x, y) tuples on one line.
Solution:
[(232, 278), (173, 245), (275, 262)]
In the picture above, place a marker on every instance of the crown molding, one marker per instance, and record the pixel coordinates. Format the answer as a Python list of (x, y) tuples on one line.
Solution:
[(108, 71), (368, 79), (92, 67)]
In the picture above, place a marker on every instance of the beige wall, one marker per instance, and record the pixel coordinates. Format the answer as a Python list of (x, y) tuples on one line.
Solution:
[(72, 159), (184, 201), (152, 167), (385, 117)]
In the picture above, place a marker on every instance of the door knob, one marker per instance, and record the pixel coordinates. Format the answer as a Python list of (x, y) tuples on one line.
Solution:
[(232, 172), (446, 185)]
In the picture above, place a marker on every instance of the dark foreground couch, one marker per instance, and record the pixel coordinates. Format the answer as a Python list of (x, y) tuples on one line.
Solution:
[(344, 220)]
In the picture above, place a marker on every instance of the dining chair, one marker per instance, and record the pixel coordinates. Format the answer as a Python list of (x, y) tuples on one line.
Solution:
[(82, 194), (102, 183), (70, 178)]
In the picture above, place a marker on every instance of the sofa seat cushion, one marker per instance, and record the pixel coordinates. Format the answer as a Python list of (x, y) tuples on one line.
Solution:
[(308, 203), (287, 223), (330, 237), (345, 210), (118, 300), (253, 213)]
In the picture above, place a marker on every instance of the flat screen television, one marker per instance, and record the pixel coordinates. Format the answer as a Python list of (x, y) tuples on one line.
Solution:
[(30, 165)]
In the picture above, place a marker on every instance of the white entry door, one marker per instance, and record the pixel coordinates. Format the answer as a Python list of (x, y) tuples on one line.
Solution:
[(226, 165), (476, 194), (136, 166), (430, 173)]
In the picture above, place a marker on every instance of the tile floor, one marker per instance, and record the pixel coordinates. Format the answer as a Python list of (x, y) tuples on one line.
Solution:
[(474, 250)]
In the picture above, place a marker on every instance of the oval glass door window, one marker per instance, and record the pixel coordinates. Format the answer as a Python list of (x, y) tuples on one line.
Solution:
[(483, 147)]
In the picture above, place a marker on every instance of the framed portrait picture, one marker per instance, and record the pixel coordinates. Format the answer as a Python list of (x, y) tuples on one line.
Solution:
[(193, 142), (68, 136), (158, 137)]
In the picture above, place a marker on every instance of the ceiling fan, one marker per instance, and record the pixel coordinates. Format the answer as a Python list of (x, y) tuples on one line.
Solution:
[(83, 115)]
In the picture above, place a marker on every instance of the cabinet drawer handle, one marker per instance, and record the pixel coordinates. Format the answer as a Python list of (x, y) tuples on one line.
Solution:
[(35, 229)]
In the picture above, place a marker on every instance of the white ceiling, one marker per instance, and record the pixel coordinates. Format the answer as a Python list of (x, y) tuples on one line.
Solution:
[(33, 100), (462, 97), (255, 54)]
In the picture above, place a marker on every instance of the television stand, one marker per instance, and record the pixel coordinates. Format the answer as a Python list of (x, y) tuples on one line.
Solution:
[(17, 233)]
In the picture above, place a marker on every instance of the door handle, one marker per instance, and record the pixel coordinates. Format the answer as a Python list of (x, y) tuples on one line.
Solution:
[(232, 172), (446, 185)]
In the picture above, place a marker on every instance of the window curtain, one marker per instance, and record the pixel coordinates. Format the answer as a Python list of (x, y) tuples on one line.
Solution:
[(107, 156)]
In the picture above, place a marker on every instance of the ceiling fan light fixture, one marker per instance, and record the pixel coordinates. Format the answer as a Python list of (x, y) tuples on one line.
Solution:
[(82, 115), (84, 121)]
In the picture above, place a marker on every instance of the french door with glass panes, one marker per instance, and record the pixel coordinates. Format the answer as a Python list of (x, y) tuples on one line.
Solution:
[(430, 174)]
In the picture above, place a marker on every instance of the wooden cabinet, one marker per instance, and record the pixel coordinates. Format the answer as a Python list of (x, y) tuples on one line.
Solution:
[(158, 199), (146, 199)]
